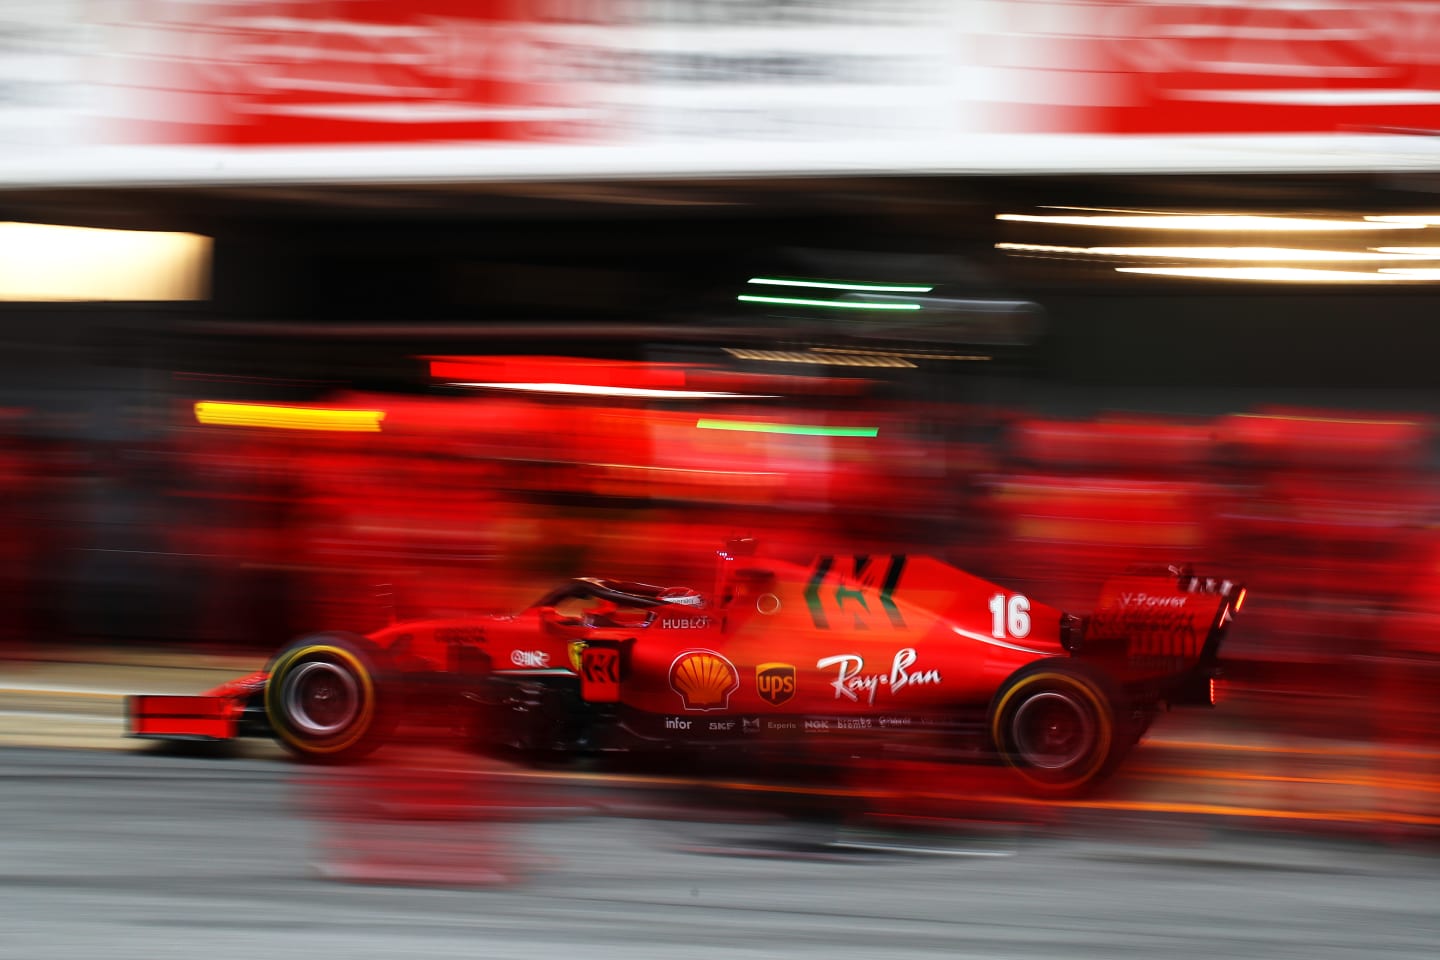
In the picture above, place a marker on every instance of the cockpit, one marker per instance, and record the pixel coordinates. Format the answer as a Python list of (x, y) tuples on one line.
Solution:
[(588, 602)]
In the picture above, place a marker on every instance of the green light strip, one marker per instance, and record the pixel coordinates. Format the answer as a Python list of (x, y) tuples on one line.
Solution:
[(827, 285), (830, 303), (797, 429)]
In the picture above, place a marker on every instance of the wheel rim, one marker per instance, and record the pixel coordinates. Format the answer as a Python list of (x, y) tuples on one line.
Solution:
[(1053, 730), (321, 698)]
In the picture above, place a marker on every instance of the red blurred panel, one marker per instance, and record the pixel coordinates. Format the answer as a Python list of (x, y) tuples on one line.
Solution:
[(598, 373), (1149, 444), (631, 374), (170, 716), (1332, 439)]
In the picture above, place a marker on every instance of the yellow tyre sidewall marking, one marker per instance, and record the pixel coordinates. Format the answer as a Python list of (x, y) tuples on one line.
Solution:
[(1102, 714), (367, 713)]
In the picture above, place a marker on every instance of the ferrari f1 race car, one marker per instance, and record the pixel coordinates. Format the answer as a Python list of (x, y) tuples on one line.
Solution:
[(884, 649)]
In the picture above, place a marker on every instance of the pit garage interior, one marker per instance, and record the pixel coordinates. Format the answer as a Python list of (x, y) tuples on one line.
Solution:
[(315, 282)]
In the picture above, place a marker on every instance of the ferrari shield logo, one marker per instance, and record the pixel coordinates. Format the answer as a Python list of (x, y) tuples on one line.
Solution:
[(775, 682)]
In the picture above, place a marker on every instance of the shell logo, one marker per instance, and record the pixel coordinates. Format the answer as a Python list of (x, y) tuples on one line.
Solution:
[(704, 679)]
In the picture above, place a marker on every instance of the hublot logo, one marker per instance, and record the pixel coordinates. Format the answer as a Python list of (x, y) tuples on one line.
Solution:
[(685, 623)]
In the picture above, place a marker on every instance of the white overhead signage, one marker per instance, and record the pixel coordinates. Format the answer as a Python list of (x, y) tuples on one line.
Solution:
[(216, 91)]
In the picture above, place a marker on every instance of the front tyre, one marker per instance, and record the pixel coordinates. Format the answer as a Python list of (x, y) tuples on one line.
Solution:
[(1056, 724), (323, 698)]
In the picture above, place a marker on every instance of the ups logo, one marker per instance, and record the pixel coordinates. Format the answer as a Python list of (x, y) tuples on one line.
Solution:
[(775, 682)]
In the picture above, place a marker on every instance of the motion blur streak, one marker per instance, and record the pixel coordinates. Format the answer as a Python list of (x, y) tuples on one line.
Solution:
[(1276, 254), (591, 390), (857, 352), (828, 304), (1284, 274), (794, 429), (819, 358), (833, 285), (216, 413), (1215, 222)]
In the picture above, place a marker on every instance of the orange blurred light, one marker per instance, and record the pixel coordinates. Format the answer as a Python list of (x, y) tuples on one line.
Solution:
[(217, 413), (1240, 601)]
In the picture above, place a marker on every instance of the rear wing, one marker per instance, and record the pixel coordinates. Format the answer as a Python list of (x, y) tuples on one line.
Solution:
[(1163, 621)]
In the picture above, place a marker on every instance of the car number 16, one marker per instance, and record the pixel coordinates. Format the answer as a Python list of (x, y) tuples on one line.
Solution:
[(1012, 613)]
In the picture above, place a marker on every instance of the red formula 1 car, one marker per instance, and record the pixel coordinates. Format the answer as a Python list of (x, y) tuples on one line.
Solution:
[(883, 648)]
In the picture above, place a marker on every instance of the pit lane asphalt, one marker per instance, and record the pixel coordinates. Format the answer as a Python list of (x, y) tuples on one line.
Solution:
[(144, 855)]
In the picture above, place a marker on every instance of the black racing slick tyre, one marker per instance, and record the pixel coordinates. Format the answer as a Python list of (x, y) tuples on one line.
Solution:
[(1057, 723), (324, 698)]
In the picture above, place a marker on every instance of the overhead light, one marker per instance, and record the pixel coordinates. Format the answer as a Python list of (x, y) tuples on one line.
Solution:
[(591, 390), (1269, 254), (832, 304), (1214, 222), (47, 262), (1411, 273), (217, 413), (802, 356), (1419, 220), (831, 285), (1270, 274), (795, 429)]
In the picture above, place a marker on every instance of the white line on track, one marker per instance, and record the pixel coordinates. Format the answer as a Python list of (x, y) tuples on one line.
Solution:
[(43, 689), (68, 717)]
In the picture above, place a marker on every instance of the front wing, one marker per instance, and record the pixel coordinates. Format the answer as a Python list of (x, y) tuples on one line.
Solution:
[(217, 714)]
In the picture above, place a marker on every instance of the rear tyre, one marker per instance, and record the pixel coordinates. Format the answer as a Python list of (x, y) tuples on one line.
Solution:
[(324, 700), (1057, 724)]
